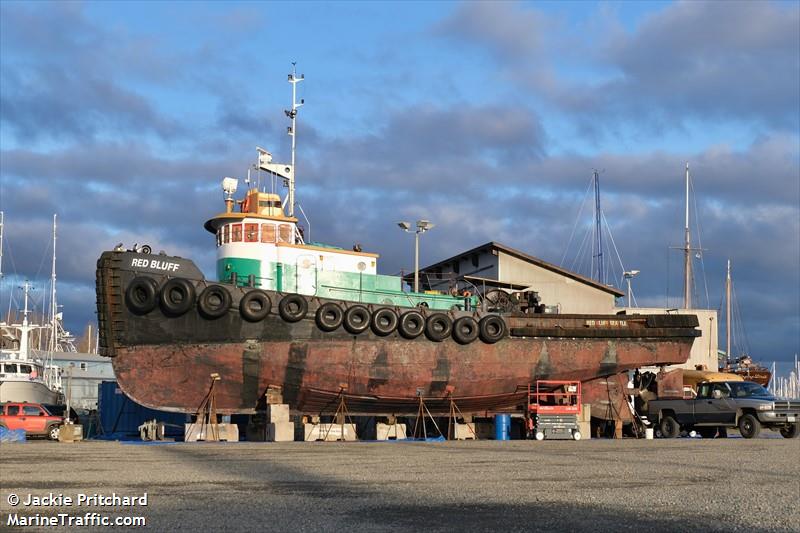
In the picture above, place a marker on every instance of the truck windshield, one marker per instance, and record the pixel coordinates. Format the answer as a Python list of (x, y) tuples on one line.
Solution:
[(747, 389)]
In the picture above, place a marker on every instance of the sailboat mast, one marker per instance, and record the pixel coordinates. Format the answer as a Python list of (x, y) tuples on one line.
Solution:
[(1, 245), (53, 310), (687, 253), (598, 228), (728, 312)]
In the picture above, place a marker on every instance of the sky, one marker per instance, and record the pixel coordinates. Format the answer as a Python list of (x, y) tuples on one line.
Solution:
[(484, 118)]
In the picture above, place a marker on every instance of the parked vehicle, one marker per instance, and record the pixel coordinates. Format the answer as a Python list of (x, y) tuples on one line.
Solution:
[(727, 404), (34, 418)]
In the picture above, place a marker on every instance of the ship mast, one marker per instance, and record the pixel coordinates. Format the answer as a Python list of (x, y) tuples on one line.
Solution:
[(687, 253), (728, 312), (25, 326), (294, 80)]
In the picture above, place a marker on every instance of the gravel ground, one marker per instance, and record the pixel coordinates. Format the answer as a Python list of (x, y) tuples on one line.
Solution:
[(636, 485)]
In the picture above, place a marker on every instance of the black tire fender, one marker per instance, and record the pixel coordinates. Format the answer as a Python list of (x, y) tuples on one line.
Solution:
[(141, 296), (177, 297), (214, 301), (329, 316), (356, 319), (491, 329), (465, 330), (411, 324), (255, 305), (384, 321), (293, 308), (438, 327)]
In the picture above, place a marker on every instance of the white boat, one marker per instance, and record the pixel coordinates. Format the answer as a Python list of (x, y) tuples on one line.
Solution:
[(23, 376), (27, 375)]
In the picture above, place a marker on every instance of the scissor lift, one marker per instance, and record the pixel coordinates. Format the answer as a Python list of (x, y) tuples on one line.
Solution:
[(553, 409)]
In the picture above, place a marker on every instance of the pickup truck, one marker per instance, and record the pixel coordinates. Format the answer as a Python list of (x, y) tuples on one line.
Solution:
[(34, 418), (726, 404)]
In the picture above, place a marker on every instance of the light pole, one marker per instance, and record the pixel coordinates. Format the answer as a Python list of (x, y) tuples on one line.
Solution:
[(422, 227), (628, 276)]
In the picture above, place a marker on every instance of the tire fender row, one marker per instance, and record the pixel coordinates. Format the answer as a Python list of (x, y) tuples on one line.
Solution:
[(177, 296)]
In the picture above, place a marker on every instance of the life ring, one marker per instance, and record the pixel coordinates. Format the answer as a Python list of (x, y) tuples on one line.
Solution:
[(293, 308), (465, 293), (141, 295), (411, 324), (176, 297), (329, 316), (214, 301), (384, 321), (356, 319), (255, 305), (465, 330), (491, 329), (438, 327)]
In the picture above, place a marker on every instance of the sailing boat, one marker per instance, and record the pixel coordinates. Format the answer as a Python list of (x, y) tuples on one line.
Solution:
[(743, 365), (24, 375)]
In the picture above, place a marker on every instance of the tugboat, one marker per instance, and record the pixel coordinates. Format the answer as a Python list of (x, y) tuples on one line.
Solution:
[(320, 324)]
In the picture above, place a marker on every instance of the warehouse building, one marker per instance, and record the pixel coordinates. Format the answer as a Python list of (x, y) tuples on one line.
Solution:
[(497, 266)]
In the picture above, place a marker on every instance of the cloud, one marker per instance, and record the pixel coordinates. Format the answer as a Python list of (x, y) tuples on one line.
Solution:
[(506, 29), (690, 60)]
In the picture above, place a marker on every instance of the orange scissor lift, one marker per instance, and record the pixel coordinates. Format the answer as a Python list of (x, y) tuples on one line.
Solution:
[(553, 409)]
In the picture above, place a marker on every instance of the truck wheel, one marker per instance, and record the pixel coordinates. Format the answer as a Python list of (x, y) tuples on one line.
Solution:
[(576, 435), (53, 432), (749, 426), (791, 432), (670, 427), (539, 435)]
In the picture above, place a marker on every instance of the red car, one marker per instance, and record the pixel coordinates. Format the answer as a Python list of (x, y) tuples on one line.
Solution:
[(34, 418)]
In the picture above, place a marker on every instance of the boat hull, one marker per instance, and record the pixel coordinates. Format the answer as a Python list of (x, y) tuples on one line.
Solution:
[(27, 391), (167, 362)]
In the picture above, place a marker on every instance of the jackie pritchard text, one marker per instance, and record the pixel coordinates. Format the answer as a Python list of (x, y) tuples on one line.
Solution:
[(79, 500)]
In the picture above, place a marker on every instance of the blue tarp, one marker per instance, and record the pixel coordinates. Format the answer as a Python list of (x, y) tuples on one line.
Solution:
[(11, 435)]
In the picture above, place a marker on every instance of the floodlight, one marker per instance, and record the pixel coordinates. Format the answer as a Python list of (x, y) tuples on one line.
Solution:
[(404, 225), (424, 225)]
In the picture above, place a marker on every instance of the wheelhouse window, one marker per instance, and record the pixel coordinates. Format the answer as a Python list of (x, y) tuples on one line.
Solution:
[(285, 233), (25, 369), (236, 233), (10, 368), (226, 234), (268, 233), (251, 232)]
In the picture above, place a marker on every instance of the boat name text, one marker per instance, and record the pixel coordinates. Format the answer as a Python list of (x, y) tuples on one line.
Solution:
[(155, 264), (606, 323)]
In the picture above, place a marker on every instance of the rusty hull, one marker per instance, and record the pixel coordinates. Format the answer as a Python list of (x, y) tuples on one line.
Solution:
[(165, 363)]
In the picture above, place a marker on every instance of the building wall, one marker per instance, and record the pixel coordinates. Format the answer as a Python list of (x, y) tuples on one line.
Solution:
[(704, 349), (87, 371), (569, 295)]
